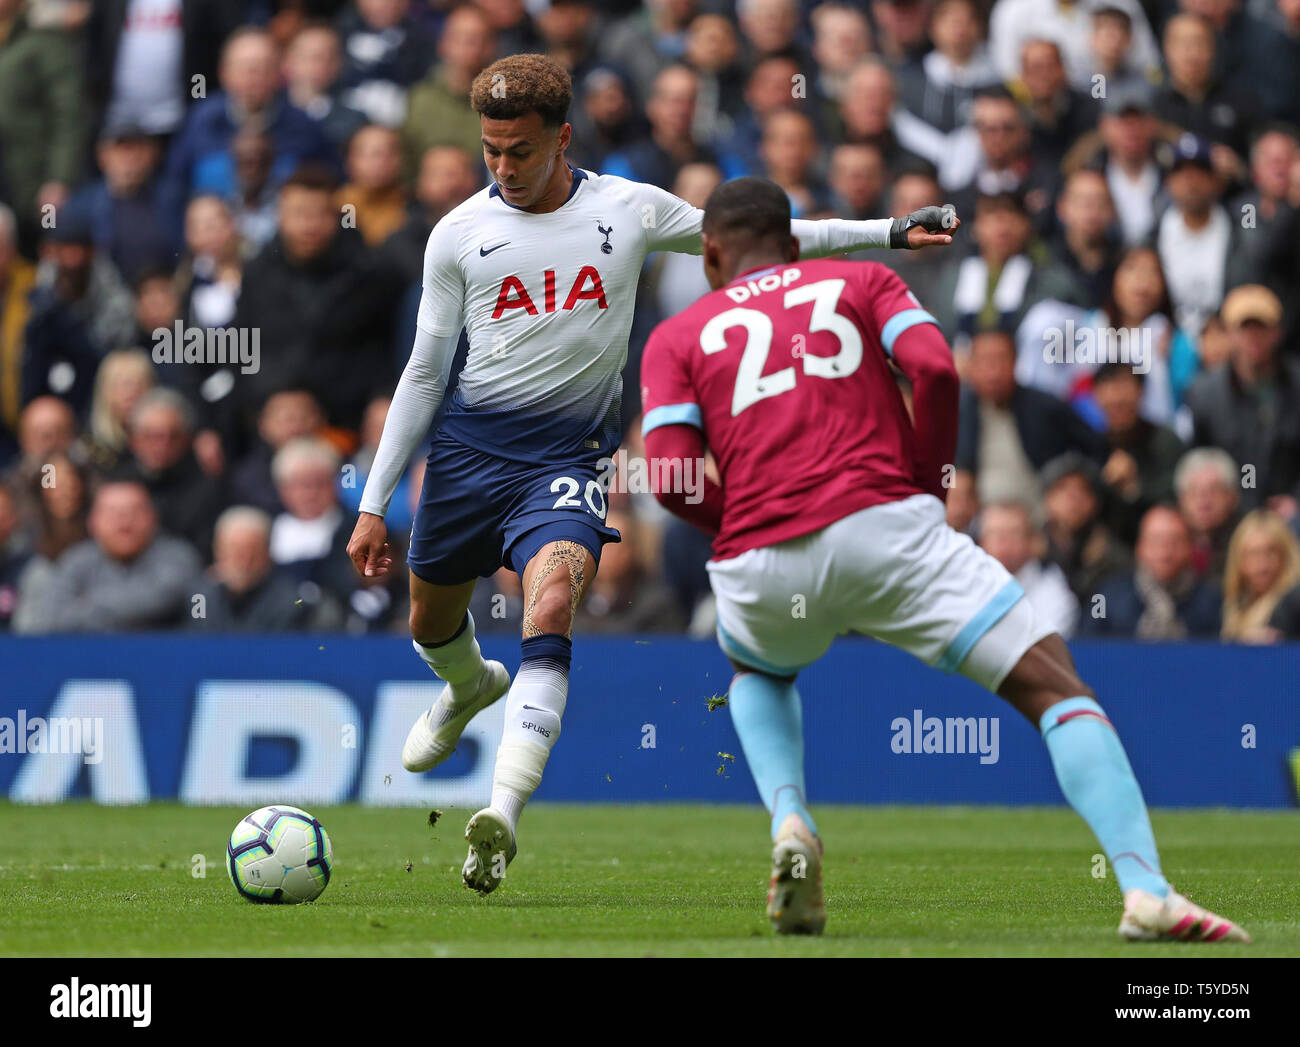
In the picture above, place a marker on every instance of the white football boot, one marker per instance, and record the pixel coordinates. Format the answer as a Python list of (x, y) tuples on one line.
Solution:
[(491, 849), (1173, 918), (434, 735), (795, 902)]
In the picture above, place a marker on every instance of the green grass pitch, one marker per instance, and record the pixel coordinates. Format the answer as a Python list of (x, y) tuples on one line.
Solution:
[(659, 880)]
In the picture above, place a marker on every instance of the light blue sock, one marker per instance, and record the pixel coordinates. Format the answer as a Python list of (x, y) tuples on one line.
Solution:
[(769, 719), (1096, 778)]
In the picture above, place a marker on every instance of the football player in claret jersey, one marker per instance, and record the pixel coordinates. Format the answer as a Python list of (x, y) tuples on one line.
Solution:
[(831, 501), (540, 269)]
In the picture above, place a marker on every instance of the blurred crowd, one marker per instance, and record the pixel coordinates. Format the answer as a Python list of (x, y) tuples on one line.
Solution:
[(1123, 299)]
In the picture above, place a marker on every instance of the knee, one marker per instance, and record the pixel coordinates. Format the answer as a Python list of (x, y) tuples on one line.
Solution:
[(552, 610)]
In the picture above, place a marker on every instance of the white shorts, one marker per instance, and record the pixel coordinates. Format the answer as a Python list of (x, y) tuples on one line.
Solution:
[(896, 572)]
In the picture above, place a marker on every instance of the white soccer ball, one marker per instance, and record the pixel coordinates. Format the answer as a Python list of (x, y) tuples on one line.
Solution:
[(280, 855)]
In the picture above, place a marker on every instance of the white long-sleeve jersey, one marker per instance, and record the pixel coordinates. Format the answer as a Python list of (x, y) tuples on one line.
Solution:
[(546, 301)]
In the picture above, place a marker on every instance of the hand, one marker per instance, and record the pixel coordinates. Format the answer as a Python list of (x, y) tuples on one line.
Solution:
[(1121, 473), (368, 547), (924, 227)]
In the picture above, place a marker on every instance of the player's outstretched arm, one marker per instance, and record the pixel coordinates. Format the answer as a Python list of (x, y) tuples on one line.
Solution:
[(933, 225), (416, 400)]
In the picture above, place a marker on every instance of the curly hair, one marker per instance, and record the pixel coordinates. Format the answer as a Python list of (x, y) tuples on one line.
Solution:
[(521, 84)]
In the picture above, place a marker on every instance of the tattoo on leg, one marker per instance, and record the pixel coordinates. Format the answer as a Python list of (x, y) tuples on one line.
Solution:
[(567, 555)]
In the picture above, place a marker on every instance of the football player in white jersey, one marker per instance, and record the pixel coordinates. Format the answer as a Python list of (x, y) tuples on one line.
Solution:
[(541, 270)]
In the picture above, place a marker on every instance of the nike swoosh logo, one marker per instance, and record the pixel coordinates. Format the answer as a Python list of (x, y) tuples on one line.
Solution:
[(484, 252), (534, 708)]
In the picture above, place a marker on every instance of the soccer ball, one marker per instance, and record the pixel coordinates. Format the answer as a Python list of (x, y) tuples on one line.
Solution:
[(280, 855)]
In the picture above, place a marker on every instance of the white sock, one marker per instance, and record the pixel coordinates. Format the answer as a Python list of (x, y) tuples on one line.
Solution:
[(458, 661), (532, 725)]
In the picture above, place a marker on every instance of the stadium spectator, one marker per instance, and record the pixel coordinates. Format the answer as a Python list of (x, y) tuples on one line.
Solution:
[(438, 110), (1012, 21), (1078, 540), (1058, 114), (124, 207), (1259, 207), (513, 26), (1110, 41), (447, 176), (842, 37), (123, 378), (1139, 473), (286, 416), (125, 576), (992, 157), (1124, 148), (1195, 235), (321, 304), (868, 113), (769, 88), (247, 180), (568, 31), (144, 57), (374, 190), (622, 598), (992, 289), (384, 53), (42, 119), (1007, 432), (313, 61), (186, 499), (243, 591), (713, 53), (858, 181), (941, 87), (1162, 598), (790, 154), (605, 117), (47, 429), (1007, 533), (212, 271), (309, 540), (1196, 101), (13, 558), (771, 27), (901, 30), (671, 144), (61, 504), (17, 278), (1273, 48), (80, 310), (1208, 486), (250, 99), (1263, 566), (648, 39), (1250, 406), (1081, 266)]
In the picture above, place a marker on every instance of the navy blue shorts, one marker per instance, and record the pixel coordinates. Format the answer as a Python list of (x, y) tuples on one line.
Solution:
[(479, 511)]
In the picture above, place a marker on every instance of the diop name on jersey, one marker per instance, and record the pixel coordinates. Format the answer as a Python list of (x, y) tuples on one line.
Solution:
[(768, 282), (513, 293)]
